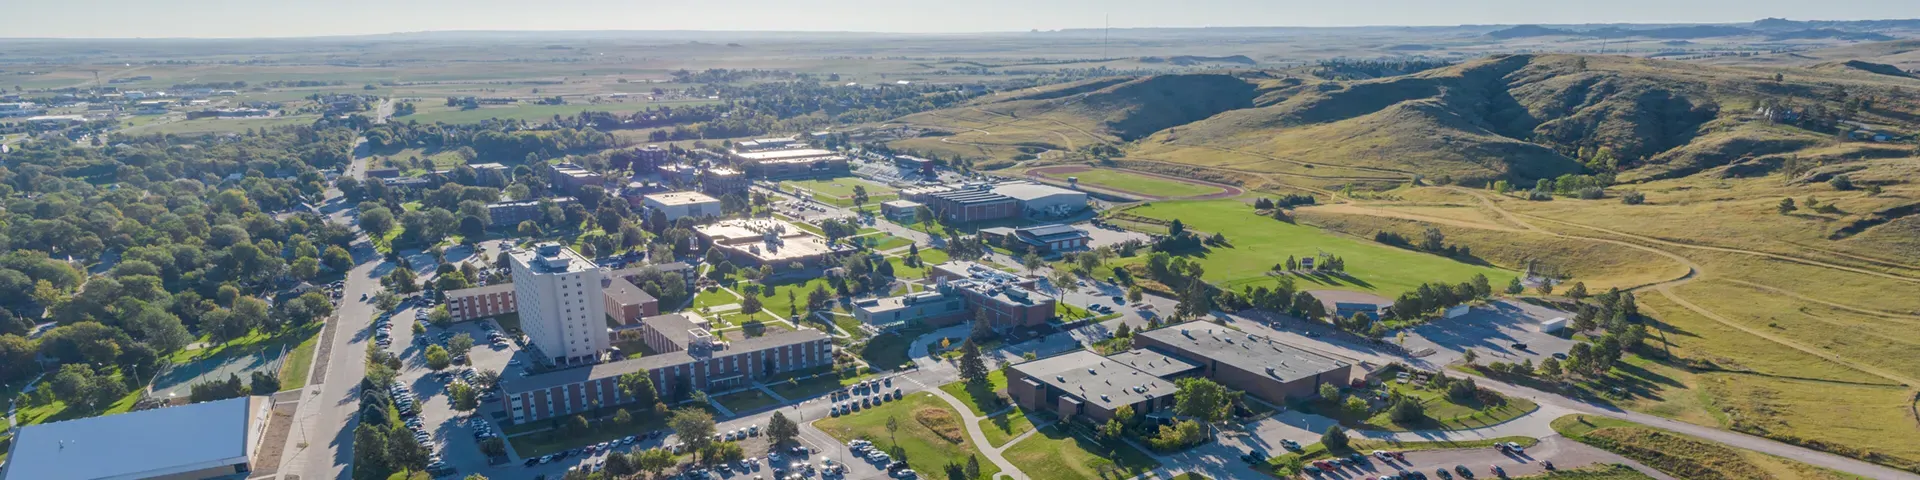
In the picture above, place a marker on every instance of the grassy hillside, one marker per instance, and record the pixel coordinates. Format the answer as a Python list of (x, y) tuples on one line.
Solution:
[(1681, 455)]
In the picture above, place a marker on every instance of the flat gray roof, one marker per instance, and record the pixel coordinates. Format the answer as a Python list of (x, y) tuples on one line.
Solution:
[(468, 292), (773, 339), (626, 292), (144, 444), (1154, 363), (1245, 351), (1095, 379)]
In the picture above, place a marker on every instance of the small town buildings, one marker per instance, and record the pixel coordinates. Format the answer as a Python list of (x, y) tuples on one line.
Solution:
[(919, 165), (978, 202), (678, 205), (388, 172), (942, 306), (481, 302), (1345, 304), (1043, 239), (627, 303), (209, 440)]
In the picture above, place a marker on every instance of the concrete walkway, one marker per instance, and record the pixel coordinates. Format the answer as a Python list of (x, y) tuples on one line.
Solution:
[(979, 438)]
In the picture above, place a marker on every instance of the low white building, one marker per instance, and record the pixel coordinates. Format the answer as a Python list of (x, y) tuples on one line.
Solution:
[(678, 205), (217, 439)]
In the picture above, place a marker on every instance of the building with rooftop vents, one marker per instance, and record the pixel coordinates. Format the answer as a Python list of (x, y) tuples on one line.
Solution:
[(689, 358), (752, 242), (1043, 239), (944, 305), (209, 440), (1009, 300), (722, 181), (561, 298), (568, 178), (1083, 383), (1271, 370)]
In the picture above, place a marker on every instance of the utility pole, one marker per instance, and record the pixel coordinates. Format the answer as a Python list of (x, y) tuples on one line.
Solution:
[(1105, 34)]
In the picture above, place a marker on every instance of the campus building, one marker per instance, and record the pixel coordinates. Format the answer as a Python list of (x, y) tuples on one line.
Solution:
[(752, 242), (492, 174), (978, 202), (622, 303), (481, 302), (560, 297), (208, 440), (690, 358), (1008, 300), (1085, 383), (1345, 304), (1044, 239), (678, 205), (1270, 370), (722, 181), (568, 178), (900, 210), (942, 306)]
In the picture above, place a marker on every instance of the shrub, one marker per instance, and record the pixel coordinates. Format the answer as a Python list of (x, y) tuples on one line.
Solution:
[(1591, 193), (1633, 198)]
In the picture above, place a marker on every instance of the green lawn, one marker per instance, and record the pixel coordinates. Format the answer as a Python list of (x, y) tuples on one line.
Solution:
[(887, 351), (1442, 412), (1141, 184), (1318, 451), (1003, 427), (713, 298), (816, 386), (1192, 476), (524, 111), (841, 187), (1258, 243), (746, 401), (930, 432), (882, 242), (1054, 454), (293, 373), (213, 125), (998, 380)]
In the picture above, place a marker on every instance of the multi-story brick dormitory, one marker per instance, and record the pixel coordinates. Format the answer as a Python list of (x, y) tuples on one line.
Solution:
[(691, 358)]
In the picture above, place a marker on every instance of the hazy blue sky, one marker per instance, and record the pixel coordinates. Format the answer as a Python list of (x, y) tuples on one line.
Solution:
[(283, 18)]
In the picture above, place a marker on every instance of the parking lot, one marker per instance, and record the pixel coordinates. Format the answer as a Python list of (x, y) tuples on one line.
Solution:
[(454, 436), (1492, 331)]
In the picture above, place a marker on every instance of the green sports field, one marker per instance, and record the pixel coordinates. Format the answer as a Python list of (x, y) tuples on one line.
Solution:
[(841, 187), (1136, 183), (1257, 243)]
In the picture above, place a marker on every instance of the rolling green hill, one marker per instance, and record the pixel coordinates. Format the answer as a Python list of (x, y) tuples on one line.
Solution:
[(1512, 117)]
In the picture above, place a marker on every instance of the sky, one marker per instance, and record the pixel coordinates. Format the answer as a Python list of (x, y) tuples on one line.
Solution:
[(301, 18)]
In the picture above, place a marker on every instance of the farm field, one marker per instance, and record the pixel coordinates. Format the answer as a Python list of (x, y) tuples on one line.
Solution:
[(218, 125), (1128, 182), (929, 431), (1258, 243)]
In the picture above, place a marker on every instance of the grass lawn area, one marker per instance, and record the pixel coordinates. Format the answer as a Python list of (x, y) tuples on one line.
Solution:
[(930, 432), (714, 298), (887, 351), (543, 439), (851, 325), (816, 386), (1191, 476), (1258, 243), (213, 125), (293, 373), (1003, 427), (1069, 312), (1445, 413), (841, 187), (1141, 184), (779, 305), (746, 401), (1680, 455), (1596, 472), (1052, 453), (998, 380), (58, 411), (525, 111), (1316, 451)]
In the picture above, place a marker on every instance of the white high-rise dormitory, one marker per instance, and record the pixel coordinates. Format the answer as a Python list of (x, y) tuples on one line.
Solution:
[(562, 307)]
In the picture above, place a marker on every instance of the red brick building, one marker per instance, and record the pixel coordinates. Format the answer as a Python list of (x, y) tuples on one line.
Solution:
[(481, 302), (702, 362)]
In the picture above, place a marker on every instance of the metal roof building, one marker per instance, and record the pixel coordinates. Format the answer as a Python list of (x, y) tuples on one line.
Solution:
[(209, 440)]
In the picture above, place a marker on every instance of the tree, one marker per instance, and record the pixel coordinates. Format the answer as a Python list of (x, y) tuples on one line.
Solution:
[(304, 268), (377, 221), (1135, 293), (1514, 287), (694, 426), (973, 466), (654, 460), (1176, 228), (1578, 292), (982, 327), (859, 196), (750, 305), (1203, 399), (440, 317), (1787, 206), (1335, 439), (893, 427), (1031, 262), (1329, 391), (1469, 356), (639, 386), (1355, 407), (973, 368), (622, 418), (460, 344), (1406, 410), (781, 430), (465, 398), (437, 358)]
